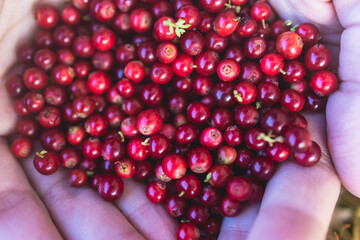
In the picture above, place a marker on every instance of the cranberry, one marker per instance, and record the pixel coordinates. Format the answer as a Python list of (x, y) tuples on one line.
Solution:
[(229, 207), (324, 83), (98, 82), (223, 94), (233, 136), (156, 191), (247, 27), (272, 64), (199, 160), (175, 205), (143, 171), (46, 16), (253, 139), (138, 149), (21, 147), (206, 63), (292, 100), (226, 154), (70, 157), (310, 157), (125, 168), (187, 231), (174, 166), (83, 46), (289, 45), (35, 78), (268, 93), (188, 186), (251, 72), (228, 70), (77, 178), (213, 6), (226, 22), (278, 152), (245, 93), (210, 196), (216, 42), (218, 176), (309, 33), (140, 20), (198, 214), (262, 168), (275, 120), (46, 163), (246, 116), (298, 139), (244, 158), (111, 187), (192, 43), (103, 10)]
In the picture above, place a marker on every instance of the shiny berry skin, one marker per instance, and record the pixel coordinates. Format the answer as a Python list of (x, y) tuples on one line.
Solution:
[(21, 147), (125, 88), (226, 22), (292, 100), (140, 20), (111, 187), (76, 135), (268, 93), (199, 160), (188, 186), (218, 176), (246, 116), (226, 154), (104, 39), (98, 82), (183, 65), (228, 70), (186, 134), (212, 226), (233, 136), (262, 168), (83, 46), (137, 149), (254, 47), (162, 30), (45, 59), (187, 231), (310, 157), (244, 158), (275, 120), (297, 139), (211, 138), (149, 122), (103, 10), (260, 11), (239, 188), (210, 196), (161, 8), (221, 118), (245, 93), (309, 33), (28, 127), (278, 152), (206, 63), (298, 120), (125, 53), (213, 6), (223, 93), (190, 14), (135, 71), (159, 173), (96, 125), (251, 72), (192, 43), (77, 178), (53, 140), (70, 157), (46, 163), (206, 22), (112, 149), (35, 78), (15, 86), (175, 205), (151, 94), (91, 148), (174, 166), (253, 140), (289, 45), (229, 207), (324, 83), (49, 117), (216, 42), (156, 191), (159, 146), (272, 64), (317, 58), (161, 73), (70, 14), (314, 102), (294, 71), (198, 214), (128, 127), (46, 16), (247, 27), (166, 52), (33, 101), (143, 171), (198, 113), (146, 52)]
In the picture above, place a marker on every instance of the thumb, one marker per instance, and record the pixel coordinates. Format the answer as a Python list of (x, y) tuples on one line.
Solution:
[(343, 109)]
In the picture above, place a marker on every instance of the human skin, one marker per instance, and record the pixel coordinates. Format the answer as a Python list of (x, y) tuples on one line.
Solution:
[(298, 202)]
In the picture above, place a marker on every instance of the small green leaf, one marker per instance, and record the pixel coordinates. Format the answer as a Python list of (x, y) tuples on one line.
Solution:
[(177, 31), (171, 29), (186, 26)]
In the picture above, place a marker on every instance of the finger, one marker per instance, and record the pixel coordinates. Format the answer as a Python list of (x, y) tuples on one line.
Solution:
[(299, 201), (343, 110), (22, 214), (150, 219), (321, 13), (79, 213), (238, 228)]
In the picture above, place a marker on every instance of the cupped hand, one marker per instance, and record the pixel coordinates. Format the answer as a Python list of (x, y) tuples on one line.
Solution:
[(298, 202), (33, 206)]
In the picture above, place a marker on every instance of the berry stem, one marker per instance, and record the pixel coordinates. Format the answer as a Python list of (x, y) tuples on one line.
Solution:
[(270, 138), (179, 26)]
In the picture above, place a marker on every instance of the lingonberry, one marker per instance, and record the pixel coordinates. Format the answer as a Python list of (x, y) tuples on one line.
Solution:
[(275, 120), (70, 157), (239, 188), (317, 58), (33, 101), (233, 136), (111, 187), (91, 148), (257, 192), (177, 103), (289, 45), (229, 207), (151, 94), (297, 139), (187, 230), (226, 22), (45, 58), (278, 152), (221, 118), (28, 127), (70, 14), (149, 122), (156, 191), (218, 176), (175, 205), (77, 178), (138, 149), (247, 27), (206, 22), (254, 47), (198, 214), (244, 157), (202, 85), (211, 138), (210, 196), (188, 186), (226, 154), (310, 157), (206, 63), (262, 168), (125, 168), (46, 163), (143, 171), (272, 64), (46, 16), (132, 106), (146, 52), (49, 117), (135, 71), (215, 42), (103, 10), (268, 93), (309, 33), (35, 78), (96, 125), (186, 134), (251, 72), (53, 140), (245, 93), (161, 8), (246, 116), (292, 100), (189, 14), (21, 147), (223, 93), (15, 86), (174, 166), (112, 149), (140, 20), (294, 71), (199, 160), (213, 6), (228, 70), (95, 181), (114, 116), (192, 43), (212, 226), (98, 82), (183, 65), (253, 139), (324, 83), (128, 127)]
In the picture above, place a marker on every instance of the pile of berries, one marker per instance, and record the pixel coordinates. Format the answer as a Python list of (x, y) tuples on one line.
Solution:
[(200, 99)]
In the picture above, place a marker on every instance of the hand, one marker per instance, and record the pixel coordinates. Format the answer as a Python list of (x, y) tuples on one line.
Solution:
[(33, 206), (298, 202)]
